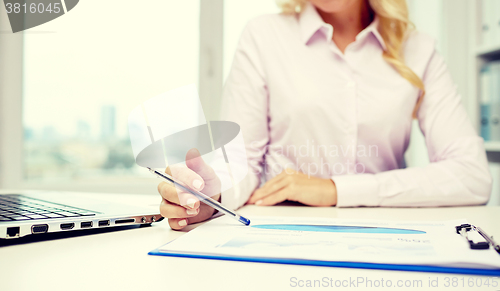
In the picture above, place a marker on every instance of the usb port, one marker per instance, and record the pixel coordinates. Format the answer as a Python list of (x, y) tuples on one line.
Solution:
[(103, 223), (67, 226), (86, 224)]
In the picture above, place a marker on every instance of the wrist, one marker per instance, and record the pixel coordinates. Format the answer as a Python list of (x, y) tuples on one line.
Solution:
[(330, 192)]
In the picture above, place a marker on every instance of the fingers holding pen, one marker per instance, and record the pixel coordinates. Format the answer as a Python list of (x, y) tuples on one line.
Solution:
[(178, 206), (171, 210), (177, 196)]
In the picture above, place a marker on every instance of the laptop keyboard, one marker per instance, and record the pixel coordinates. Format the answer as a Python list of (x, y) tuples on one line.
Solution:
[(15, 207)]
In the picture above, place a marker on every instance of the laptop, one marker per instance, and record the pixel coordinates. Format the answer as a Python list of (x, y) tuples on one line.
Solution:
[(34, 213)]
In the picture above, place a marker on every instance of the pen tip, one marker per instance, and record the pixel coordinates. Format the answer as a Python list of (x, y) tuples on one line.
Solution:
[(244, 220)]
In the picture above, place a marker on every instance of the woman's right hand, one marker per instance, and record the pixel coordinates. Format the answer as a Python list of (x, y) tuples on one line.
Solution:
[(180, 207)]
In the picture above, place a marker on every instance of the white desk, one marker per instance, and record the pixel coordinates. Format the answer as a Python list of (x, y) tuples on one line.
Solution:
[(118, 260)]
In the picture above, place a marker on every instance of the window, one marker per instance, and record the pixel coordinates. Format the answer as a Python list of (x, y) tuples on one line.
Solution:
[(85, 71)]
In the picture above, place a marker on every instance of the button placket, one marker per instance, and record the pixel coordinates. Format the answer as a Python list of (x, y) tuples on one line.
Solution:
[(353, 120)]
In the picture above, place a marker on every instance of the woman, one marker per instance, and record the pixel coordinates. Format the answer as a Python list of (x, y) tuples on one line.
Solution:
[(325, 94)]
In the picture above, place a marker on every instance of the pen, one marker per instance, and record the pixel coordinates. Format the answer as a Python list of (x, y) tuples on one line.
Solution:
[(488, 238), (464, 228), (203, 198)]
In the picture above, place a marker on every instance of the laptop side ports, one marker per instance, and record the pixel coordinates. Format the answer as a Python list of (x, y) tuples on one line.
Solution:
[(67, 226), (103, 223), (86, 224), (13, 231), (124, 220), (39, 228)]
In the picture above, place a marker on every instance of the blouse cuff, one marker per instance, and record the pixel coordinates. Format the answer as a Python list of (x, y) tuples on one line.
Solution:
[(357, 190)]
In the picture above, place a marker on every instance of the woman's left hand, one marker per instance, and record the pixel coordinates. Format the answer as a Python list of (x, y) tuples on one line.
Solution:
[(296, 186)]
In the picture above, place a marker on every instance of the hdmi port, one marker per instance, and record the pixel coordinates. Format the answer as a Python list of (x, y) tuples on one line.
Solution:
[(66, 226), (122, 221)]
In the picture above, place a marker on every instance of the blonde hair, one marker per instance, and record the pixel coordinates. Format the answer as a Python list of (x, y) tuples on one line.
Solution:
[(394, 26)]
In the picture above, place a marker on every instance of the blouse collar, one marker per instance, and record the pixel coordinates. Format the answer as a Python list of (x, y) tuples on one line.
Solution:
[(310, 23)]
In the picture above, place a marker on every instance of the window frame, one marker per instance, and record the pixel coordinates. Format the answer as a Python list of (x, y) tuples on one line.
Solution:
[(11, 127)]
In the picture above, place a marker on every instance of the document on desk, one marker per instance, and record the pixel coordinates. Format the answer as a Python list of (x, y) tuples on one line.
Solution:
[(420, 246)]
